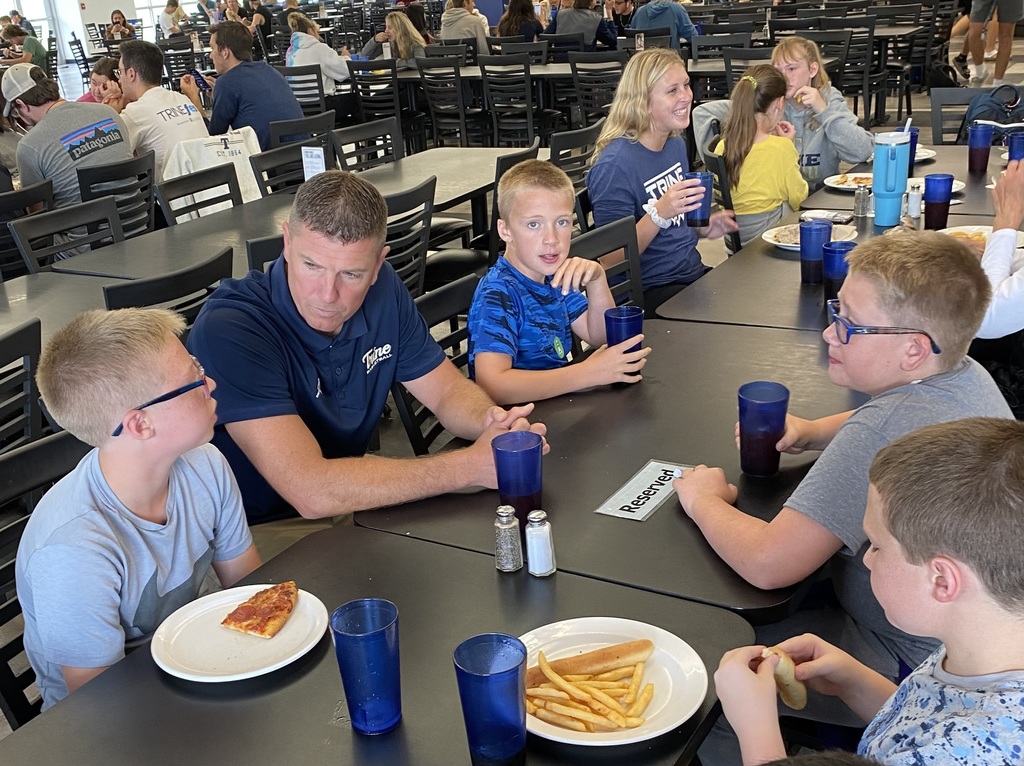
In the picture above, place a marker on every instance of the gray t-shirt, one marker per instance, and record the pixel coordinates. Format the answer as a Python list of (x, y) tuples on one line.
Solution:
[(93, 577), (834, 492)]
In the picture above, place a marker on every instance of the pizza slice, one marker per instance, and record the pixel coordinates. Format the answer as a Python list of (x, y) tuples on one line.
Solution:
[(266, 612)]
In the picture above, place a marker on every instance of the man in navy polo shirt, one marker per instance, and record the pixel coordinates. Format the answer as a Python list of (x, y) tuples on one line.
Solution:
[(304, 356)]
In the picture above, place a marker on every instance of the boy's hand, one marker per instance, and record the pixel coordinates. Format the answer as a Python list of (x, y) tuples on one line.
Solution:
[(798, 437), (576, 273), (746, 687), (701, 482), (823, 667), (1008, 197), (614, 364)]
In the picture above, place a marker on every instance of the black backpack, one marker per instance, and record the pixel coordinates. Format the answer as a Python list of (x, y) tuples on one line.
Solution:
[(941, 76), (1004, 105)]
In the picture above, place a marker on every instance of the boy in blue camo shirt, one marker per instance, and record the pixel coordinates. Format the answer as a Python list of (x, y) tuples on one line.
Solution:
[(531, 301)]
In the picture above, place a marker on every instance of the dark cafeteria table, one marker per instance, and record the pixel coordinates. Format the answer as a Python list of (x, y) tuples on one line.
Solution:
[(683, 411), (136, 713), (55, 298)]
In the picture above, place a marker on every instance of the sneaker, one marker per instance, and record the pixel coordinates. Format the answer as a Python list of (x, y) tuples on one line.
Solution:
[(978, 72), (960, 64), (991, 55)]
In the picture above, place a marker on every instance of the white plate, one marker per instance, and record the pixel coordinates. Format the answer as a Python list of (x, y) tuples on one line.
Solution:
[(839, 184), (677, 672), (840, 232), (192, 644), (986, 230)]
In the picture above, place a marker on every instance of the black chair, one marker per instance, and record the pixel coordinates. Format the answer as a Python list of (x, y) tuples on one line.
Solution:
[(436, 50), (93, 224), (184, 291), (595, 77), (409, 214), (939, 16), (728, 28), (495, 44), (711, 47), (15, 204), (584, 210), (78, 51), (447, 265), (279, 171), (450, 113), (948, 110), (375, 84), (307, 87), (715, 165), (131, 184), (561, 44), (571, 151), (263, 250), (441, 309), (470, 44), (739, 60), (864, 76), (178, 62), (901, 51), (198, 192), (508, 88), (624, 276), (537, 51), (24, 472), (833, 43), (20, 416), (317, 126), (796, 26)]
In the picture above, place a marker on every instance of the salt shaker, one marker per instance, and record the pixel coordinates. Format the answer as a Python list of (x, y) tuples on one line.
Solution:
[(914, 201), (540, 546), (508, 550), (861, 201)]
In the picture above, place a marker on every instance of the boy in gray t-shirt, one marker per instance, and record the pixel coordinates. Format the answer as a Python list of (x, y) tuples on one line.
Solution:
[(900, 331), (128, 536)]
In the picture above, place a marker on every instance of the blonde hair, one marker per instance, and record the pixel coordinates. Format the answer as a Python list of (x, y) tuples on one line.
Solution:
[(927, 281), (800, 48), (630, 113), (300, 22), (532, 174), (758, 88), (957, 489), (407, 39), (103, 364)]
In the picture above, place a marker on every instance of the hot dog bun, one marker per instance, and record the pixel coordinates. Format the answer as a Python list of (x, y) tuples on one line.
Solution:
[(792, 692), (598, 661)]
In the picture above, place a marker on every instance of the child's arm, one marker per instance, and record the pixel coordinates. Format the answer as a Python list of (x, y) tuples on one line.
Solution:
[(802, 434), (795, 183), (746, 687), (233, 570), (575, 275), (829, 670), (77, 677)]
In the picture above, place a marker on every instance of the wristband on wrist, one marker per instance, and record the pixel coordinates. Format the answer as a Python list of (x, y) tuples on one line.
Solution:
[(651, 209)]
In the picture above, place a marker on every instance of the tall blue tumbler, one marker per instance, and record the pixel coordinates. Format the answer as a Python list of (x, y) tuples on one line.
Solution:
[(889, 181)]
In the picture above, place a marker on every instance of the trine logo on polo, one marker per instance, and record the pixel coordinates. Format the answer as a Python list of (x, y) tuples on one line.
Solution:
[(375, 355)]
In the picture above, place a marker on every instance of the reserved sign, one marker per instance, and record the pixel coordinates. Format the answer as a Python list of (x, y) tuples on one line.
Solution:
[(646, 492)]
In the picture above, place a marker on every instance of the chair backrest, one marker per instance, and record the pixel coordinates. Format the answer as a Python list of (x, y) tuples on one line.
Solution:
[(788, 27), (94, 223), (375, 84), (307, 87), (83, 63), (369, 144), (263, 250), (715, 165), (624, 276), (710, 46), (949, 108), (15, 204), (595, 76), (435, 50), (537, 51), (739, 60), (561, 44), (20, 417), (441, 309), (508, 90), (131, 183), (317, 126), (495, 44), (280, 170), (471, 47), (208, 191), (184, 291), (571, 151), (501, 166), (584, 210), (651, 31), (409, 216), (27, 470), (728, 27), (441, 79), (178, 62), (908, 13), (833, 43)]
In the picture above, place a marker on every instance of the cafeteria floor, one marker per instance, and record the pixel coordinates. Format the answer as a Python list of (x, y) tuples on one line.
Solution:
[(392, 435)]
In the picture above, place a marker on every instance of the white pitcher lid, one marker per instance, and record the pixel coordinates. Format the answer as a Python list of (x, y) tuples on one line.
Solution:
[(892, 138)]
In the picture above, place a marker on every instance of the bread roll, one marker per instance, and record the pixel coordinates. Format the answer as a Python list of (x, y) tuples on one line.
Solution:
[(598, 661), (792, 692)]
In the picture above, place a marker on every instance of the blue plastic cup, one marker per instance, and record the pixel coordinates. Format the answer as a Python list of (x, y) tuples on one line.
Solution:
[(913, 149), (491, 672), (365, 634), (517, 462), (702, 216), (622, 323), (938, 191), (763, 406), (813, 236), (1015, 143), (835, 266), (979, 146)]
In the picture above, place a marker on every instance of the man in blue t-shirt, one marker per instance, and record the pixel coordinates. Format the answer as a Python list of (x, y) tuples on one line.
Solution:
[(305, 355), (246, 92)]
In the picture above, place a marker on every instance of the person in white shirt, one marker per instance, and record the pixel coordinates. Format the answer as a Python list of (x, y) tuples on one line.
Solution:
[(156, 118), (306, 49), (170, 18)]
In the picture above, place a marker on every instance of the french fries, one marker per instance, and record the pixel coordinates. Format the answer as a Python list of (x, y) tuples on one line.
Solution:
[(608, 701)]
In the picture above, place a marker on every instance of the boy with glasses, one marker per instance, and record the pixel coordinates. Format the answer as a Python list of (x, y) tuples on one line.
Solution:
[(130, 534), (900, 331)]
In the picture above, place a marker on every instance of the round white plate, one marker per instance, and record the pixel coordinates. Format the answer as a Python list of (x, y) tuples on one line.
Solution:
[(192, 644), (847, 182), (677, 672), (986, 230), (840, 232)]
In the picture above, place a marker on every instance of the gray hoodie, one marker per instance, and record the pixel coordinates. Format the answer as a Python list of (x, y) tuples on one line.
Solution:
[(821, 140), (458, 24)]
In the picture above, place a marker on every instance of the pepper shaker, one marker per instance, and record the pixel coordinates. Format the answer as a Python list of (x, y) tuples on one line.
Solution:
[(861, 201), (508, 550), (540, 546)]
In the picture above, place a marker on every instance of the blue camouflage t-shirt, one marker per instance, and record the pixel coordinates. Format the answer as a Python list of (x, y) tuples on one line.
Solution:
[(529, 321)]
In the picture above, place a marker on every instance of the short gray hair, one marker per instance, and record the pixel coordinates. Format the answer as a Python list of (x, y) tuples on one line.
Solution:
[(342, 206)]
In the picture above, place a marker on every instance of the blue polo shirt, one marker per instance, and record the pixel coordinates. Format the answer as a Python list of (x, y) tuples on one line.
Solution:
[(268, 362)]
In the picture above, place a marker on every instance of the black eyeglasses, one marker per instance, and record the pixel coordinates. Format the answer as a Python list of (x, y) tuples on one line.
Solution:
[(170, 394), (844, 328)]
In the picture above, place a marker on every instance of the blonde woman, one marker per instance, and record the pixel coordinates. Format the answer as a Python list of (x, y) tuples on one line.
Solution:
[(638, 170), (825, 131), (406, 43)]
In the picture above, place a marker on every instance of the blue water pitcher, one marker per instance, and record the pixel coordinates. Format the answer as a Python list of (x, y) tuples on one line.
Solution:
[(889, 184)]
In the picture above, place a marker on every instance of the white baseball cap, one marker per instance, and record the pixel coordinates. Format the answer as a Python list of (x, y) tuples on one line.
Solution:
[(16, 83)]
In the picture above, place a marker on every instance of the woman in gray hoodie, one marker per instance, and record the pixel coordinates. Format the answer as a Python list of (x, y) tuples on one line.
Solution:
[(826, 131)]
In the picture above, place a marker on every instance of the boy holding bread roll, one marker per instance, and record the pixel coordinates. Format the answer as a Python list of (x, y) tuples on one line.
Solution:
[(944, 520), (906, 315)]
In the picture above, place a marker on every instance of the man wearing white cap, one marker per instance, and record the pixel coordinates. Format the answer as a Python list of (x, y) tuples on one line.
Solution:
[(64, 135)]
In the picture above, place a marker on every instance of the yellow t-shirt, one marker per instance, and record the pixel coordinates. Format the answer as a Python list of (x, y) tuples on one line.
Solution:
[(770, 176)]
